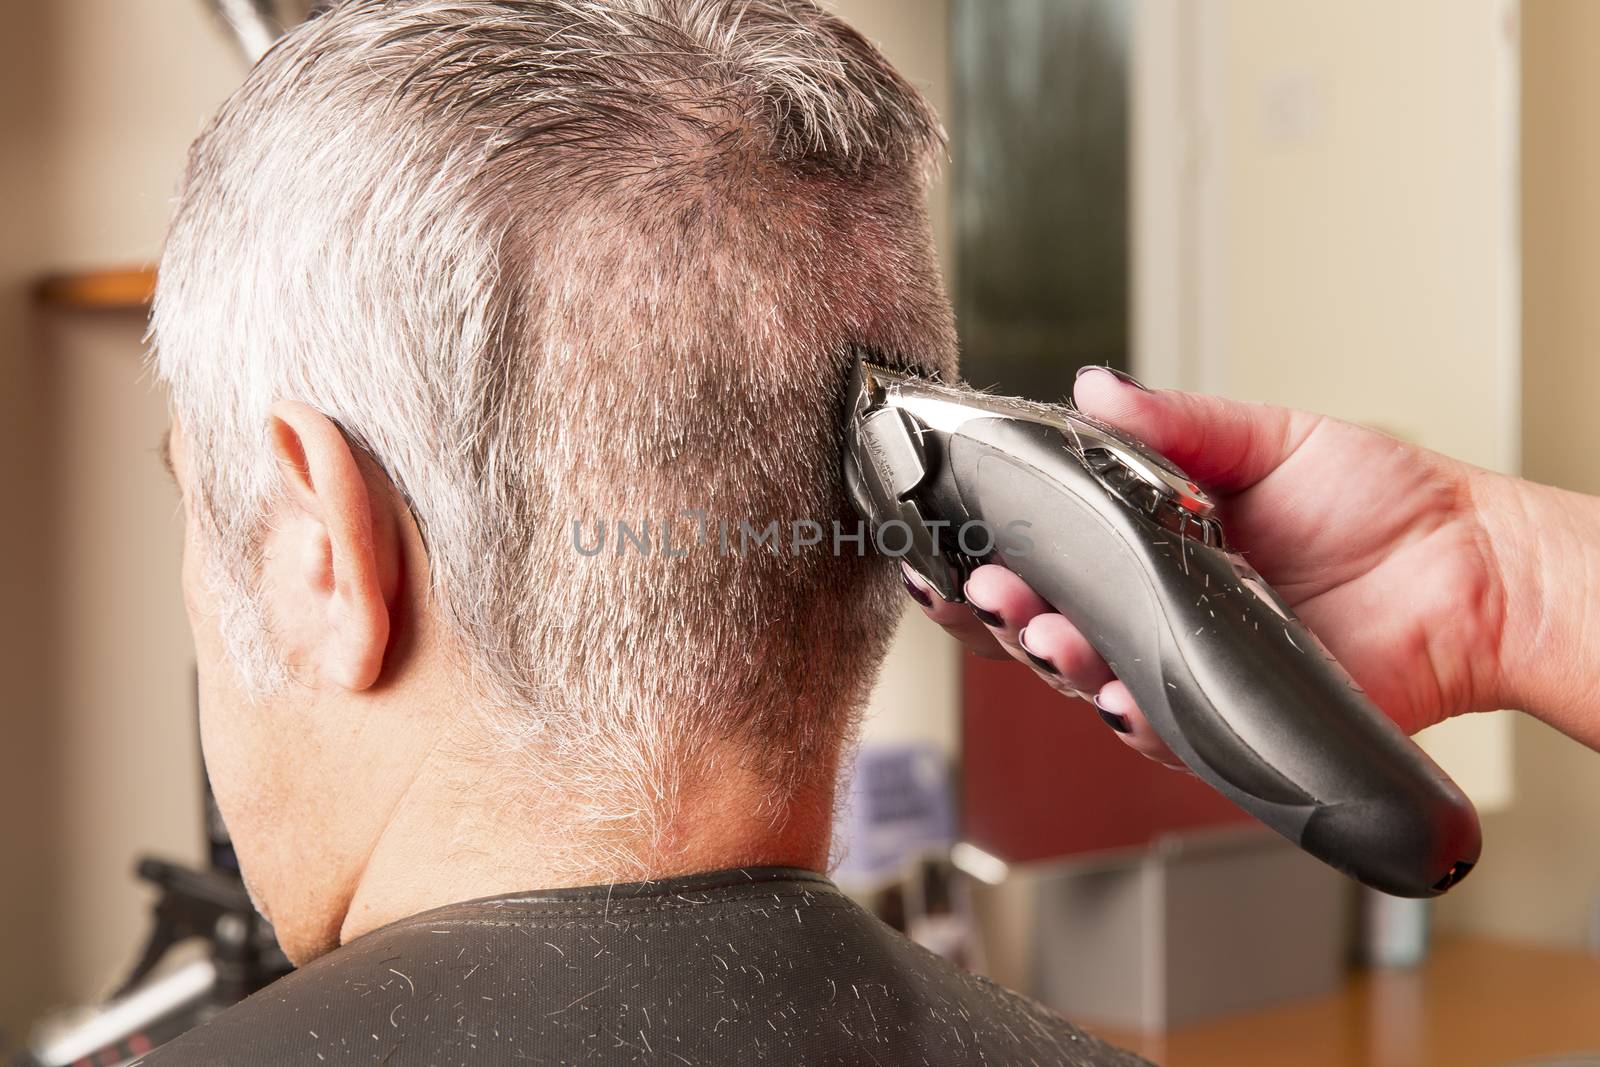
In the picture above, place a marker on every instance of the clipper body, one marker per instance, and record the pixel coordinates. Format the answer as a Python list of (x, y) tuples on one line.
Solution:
[(1131, 551)]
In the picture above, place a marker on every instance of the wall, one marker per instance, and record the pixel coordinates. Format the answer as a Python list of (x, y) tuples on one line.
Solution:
[(100, 99), (1366, 195), (29, 827)]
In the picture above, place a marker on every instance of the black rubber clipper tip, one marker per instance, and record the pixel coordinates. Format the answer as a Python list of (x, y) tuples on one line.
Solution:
[(1458, 870)]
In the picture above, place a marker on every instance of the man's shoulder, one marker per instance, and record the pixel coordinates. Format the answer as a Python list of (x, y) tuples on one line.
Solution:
[(734, 968)]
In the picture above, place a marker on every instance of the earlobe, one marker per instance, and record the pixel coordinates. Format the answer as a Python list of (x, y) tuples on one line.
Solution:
[(340, 571)]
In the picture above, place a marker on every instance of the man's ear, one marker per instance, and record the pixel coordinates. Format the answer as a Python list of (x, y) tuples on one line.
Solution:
[(333, 559)]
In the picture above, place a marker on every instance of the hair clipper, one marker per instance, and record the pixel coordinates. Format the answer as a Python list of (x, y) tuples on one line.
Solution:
[(1129, 549)]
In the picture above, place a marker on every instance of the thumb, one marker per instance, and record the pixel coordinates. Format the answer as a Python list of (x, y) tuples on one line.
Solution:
[(1226, 444)]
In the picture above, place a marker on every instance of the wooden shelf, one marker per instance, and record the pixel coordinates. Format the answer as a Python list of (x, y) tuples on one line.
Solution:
[(126, 289)]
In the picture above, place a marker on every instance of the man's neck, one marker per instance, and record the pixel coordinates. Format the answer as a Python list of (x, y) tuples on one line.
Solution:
[(451, 839)]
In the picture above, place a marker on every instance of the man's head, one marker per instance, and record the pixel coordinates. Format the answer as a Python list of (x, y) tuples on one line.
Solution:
[(447, 277)]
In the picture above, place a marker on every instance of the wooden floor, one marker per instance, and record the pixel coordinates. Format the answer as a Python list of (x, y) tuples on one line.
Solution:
[(1473, 1004)]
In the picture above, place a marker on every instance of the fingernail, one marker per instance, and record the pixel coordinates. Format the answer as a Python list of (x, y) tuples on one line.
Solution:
[(919, 594), (1038, 661), (1121, 376), (987, 617), (1117, 722)]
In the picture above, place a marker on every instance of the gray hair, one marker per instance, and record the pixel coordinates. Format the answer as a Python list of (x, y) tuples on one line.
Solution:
[(548, 260)]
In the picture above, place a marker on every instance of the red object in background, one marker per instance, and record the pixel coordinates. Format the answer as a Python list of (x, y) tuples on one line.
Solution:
[(1043, 777)]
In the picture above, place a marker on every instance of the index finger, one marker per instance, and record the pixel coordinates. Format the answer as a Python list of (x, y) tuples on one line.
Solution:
[(1229, 445)]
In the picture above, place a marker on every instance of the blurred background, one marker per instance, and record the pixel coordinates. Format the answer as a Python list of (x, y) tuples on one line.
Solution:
[(1386, 211)]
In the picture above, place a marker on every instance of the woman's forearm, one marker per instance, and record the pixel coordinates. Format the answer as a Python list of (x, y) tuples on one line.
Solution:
[(1546, 544)]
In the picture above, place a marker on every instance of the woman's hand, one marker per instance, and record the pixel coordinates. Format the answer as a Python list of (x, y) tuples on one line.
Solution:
[(1379, 546)]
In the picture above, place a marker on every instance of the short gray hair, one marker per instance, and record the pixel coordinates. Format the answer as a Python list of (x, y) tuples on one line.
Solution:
[(557, 259)]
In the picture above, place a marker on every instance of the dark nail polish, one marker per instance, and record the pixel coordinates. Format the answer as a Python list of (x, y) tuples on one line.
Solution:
[(918, 594), (1042, 663), (1121, 376), (1038, 661), (987, 617), (1117, 722)]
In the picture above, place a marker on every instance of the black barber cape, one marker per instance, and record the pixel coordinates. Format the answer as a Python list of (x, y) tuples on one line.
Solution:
[(742, 967)]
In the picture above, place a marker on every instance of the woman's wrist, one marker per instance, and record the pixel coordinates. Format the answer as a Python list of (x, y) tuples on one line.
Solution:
[(1544, 546)]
